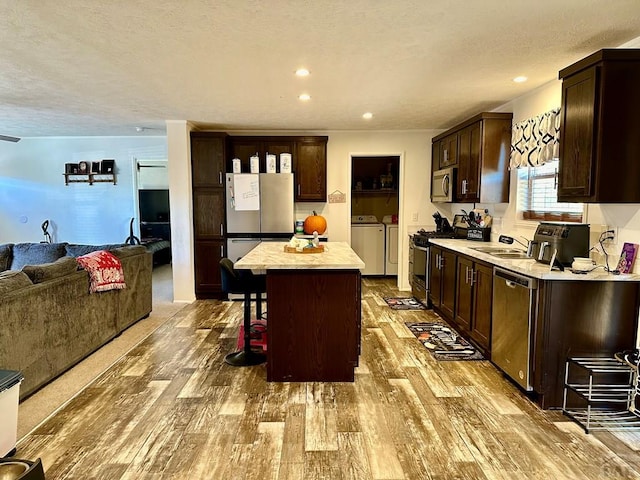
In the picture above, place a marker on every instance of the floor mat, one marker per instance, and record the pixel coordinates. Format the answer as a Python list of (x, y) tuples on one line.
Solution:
[(404, 303), (443, 342)]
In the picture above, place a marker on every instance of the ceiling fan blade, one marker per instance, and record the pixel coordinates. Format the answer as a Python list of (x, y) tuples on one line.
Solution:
[(9, 139)]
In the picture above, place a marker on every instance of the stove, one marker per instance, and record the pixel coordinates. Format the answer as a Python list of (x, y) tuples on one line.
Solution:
[(421, 237)]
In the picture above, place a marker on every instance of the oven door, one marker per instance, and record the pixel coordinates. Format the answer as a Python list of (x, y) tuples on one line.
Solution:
[(420, 274)]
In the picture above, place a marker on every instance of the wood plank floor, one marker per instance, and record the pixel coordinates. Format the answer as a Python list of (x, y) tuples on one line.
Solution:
[(172, 409)]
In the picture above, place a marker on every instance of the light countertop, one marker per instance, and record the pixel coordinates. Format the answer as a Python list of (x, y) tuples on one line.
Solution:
[(529, 266), (271, 256)]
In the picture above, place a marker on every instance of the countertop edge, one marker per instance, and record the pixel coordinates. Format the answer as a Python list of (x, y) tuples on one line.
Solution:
[(528, 267)]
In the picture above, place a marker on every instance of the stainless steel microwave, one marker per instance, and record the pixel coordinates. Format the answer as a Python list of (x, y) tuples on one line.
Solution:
[(442, 185)]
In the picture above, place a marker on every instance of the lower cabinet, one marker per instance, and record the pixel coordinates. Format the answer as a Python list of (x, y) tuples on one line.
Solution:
[(207, 268), (474, 288), (442, 281)]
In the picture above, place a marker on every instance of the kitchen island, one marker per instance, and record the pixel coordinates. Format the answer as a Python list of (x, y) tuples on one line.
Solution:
[(568, 315), (313, 311)]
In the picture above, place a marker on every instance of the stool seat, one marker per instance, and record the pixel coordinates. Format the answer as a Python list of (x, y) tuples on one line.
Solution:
[(246, 283)]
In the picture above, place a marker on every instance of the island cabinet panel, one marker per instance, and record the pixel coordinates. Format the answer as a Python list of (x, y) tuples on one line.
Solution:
[(599, 141), (579, 319), (314, 325)]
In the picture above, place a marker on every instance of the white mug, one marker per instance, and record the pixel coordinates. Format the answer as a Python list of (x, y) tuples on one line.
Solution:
[(285, 163), (237, 168)]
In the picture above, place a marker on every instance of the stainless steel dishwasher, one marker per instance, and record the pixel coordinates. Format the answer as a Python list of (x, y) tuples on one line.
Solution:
[(514, 304)]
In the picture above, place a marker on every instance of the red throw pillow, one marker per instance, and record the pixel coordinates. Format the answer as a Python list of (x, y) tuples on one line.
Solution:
[(105, 271)]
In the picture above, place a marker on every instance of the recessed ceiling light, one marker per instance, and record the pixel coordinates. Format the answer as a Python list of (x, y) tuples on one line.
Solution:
[(304, 97), (520, 79), (302, 72), (367, 116)]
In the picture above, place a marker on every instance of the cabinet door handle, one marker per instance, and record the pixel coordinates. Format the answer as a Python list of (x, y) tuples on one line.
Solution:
[(220, 178), (221, 251), (298, 189), (555, 180), (221, 231), (441, 262), (473, 277), (446, 156)]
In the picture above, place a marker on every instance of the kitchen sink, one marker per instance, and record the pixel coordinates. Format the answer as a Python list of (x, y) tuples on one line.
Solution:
[(502, 252)]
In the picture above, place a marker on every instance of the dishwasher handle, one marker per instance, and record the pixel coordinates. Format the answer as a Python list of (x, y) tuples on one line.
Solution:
[(513, 279)]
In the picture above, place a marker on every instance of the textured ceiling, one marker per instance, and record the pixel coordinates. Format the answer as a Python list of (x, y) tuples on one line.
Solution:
[(95, 67)]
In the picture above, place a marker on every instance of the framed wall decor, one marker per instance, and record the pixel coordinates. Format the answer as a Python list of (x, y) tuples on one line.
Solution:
[(83, 167), (107, 166), (95, 167)]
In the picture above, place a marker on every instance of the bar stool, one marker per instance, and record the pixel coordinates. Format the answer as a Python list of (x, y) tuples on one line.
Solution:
[(246, 283)]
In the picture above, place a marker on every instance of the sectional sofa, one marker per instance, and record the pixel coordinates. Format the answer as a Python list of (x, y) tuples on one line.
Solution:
[(49, 320)]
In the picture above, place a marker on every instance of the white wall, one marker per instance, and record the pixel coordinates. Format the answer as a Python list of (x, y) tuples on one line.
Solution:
[(32, 188)]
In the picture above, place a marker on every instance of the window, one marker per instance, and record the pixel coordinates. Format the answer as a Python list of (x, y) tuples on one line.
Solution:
[(538, 194)]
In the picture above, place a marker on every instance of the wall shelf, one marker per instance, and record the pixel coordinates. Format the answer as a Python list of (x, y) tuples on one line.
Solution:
[(89, 178)]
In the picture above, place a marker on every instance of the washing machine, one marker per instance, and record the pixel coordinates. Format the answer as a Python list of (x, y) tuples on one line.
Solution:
[(391, 245), (368, 241)]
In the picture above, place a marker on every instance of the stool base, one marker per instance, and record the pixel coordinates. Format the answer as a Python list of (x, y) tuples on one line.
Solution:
[(245, 359)]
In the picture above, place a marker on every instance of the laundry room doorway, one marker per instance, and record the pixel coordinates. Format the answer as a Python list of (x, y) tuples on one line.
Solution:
[(374, 212)]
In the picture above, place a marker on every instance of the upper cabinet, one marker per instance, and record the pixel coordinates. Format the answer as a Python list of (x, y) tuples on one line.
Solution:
[(599, 140), (245, 147), (208, 159), (308, 157), (310, 166), (480, 149)]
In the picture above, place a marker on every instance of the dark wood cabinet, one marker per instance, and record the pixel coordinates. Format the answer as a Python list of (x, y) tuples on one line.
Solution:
[(308, 158), (442, 281), (448, 151), (310, 167), (480, 148), (208, 213), (245, 147), (599, 141), (207, 255), (325, 346), (579, 319), (474, 291), (208, 161)]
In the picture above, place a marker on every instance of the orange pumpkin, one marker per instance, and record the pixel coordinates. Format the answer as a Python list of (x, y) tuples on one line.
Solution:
[(315, 223)]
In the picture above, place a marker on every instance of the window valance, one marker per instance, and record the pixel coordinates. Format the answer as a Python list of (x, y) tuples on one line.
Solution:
[(536, 140)]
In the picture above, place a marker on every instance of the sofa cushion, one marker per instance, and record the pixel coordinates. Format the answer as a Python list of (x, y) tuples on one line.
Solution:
[(6, 252), (36, 253), (47, 271), (11, 280), (124, 252), (105, 271), (77, 250)]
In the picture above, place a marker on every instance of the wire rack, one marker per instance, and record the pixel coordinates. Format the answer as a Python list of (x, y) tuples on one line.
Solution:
[(605, 390)]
